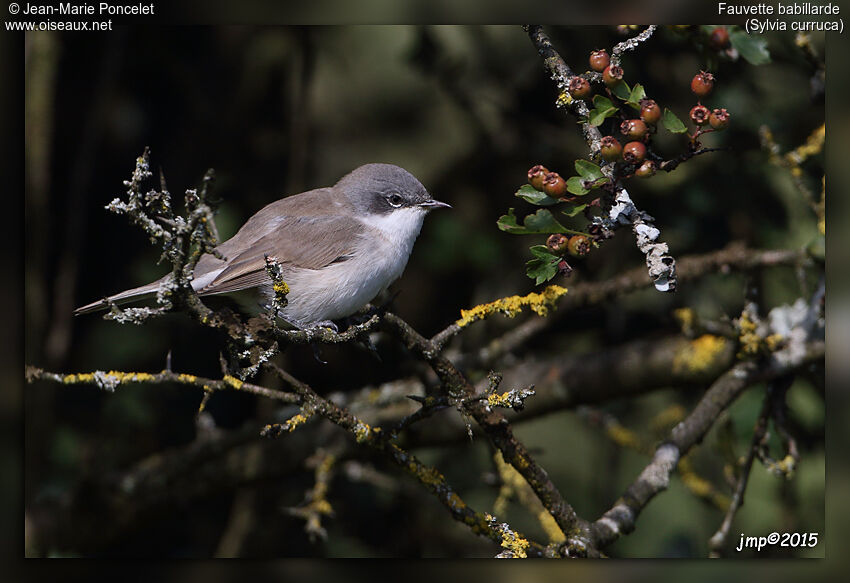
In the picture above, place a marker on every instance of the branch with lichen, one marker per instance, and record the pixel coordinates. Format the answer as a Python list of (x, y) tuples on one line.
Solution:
[(655, 477), (514, 486), (500, 433), (111, 380), (374, 437), (622, 211), (511, 306), (735, 257), (793, 160), (316, 504), (626, 438)]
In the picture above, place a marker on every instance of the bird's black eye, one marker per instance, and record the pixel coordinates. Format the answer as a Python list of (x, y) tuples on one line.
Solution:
[(395, 200)]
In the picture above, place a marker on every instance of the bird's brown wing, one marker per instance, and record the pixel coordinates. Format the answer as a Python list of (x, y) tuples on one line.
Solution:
[(295, 243)]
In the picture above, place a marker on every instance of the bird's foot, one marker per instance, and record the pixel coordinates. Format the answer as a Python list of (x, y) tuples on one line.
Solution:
[(325, 324)]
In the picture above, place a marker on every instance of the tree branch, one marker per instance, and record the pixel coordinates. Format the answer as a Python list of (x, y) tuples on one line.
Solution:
[(655, 477)]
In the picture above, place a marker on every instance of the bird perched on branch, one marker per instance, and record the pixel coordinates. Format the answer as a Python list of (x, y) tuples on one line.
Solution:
[(338, 247)]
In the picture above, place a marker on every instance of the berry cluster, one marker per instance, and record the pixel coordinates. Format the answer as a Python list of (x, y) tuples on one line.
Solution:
[(718, 119), (632, 157), (636, 131), (550, 183)]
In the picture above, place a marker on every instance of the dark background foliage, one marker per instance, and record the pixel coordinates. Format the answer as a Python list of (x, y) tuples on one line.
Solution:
[(278, 110)]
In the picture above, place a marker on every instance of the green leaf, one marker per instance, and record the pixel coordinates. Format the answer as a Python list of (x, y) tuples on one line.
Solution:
[(575, 210), (637, 93), (544, 266), (603, 109), (752, 47), (673, 123), (602, 103), (588, 170), (534, 196), (539, 223), (540, 251), (596, 117), (621, 90), (575, 185)]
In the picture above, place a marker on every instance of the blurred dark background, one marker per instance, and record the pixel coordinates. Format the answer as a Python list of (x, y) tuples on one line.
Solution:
[(467, 110)]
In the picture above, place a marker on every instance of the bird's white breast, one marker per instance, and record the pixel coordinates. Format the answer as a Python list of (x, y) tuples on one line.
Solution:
[(380, 255)]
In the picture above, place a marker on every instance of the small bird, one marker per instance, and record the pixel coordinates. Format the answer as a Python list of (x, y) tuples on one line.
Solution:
[(338, 247)]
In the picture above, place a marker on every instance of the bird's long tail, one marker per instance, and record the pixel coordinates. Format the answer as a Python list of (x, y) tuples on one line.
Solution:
[(130, 295)]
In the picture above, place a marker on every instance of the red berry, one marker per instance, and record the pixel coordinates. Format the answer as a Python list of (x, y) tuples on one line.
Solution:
[(633, 129), (535, 176), (557, 243), (610, 149), (578, 245), (646, 169), (719, 38), (702, 83), (719, 119), (649, 111), (554, 185), (612, 75), (599, 60), (579, 87), (634, 152), (699, 114)]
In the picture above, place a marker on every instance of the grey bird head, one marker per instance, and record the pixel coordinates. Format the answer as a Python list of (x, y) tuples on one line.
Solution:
[(380, 189)]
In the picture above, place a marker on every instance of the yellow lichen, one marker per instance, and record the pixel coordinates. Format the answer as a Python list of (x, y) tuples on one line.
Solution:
[(515, 544), (233, 382), (784, 466), (699, 355), (73, 379), (700, 487), (187, 378), (280, 288), (455, 502), (564, 99), (503, 400), (814, 144), (687, 318), (550, 527), (696, 484), (362, 432), (296, 420), (513, 305), (105, 377), (668, 417), (513, 484), (622, 436), (774, 342)]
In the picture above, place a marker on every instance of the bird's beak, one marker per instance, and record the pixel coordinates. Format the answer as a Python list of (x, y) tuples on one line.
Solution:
[(433, 204)]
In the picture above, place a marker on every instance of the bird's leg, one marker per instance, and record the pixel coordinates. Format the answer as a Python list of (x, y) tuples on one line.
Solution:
[(317, 354)]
